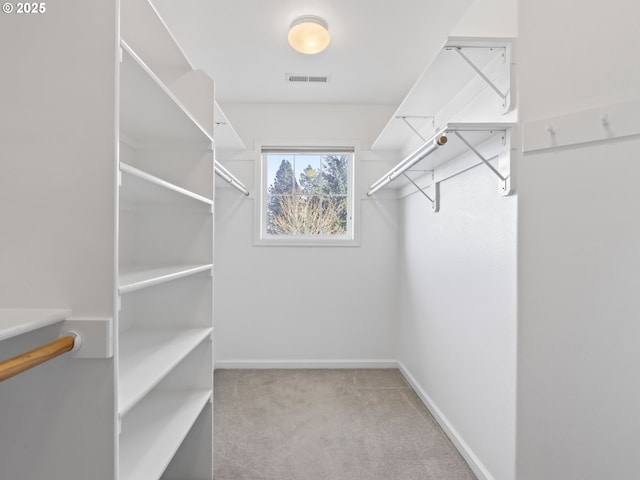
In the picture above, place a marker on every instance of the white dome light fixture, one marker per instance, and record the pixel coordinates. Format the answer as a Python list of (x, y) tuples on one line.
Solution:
[(309, 34)]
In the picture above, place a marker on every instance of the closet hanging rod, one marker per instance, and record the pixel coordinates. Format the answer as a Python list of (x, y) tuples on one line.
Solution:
[(228, 177), (23, 362), (434, 142)]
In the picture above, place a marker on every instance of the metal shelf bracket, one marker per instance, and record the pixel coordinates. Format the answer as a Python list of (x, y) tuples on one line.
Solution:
[(505, 182), (499, 164), (413, 129), (435, 201), (487, 80)]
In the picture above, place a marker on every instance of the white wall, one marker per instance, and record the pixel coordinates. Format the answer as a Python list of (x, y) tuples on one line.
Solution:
[(57, 233), (578, 392), (458, 330), (295, 306), (489, 18)]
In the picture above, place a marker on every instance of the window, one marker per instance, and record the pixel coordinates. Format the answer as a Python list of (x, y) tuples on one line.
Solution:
[(307, 196)]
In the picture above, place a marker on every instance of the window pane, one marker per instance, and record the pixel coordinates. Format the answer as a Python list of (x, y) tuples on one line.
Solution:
[(308, 194), (335, 175), (280, 176)]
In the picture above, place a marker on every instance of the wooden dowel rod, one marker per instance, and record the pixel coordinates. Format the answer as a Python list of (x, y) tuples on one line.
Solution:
[(35, 357)]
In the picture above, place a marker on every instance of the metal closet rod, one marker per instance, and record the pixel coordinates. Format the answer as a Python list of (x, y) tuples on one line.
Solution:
[(23, 362), (432, 144), (228, 177)]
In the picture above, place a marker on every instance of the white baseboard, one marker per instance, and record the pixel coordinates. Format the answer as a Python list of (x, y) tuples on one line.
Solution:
[(290, 364), (474, 462)]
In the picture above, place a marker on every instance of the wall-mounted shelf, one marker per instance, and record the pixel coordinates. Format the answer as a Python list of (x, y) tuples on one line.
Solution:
[(227, 140), (153, 431), (135, 278), (226, 136), (461, 101), (155, 42), (16, 321), (450, 142), (451, 90), (147, 355), (140, 187), (150, 112)]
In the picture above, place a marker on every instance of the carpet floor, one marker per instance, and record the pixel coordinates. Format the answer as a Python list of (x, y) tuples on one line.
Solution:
[(327, 425)]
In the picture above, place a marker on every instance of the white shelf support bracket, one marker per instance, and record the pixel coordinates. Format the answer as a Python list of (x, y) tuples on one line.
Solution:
[(505, 184), (480, 73), (413, 129), (435, 201)]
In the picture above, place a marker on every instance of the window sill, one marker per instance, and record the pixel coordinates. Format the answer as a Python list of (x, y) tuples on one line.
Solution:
[(276, 241)]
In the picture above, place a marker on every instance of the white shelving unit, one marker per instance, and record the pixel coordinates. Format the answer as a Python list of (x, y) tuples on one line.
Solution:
[(144, 188), (165, 237), (149, 109), (135, 278), (146, 357), (226, 136), (457, 116), (108, 182), (155, 431), (450, 91)]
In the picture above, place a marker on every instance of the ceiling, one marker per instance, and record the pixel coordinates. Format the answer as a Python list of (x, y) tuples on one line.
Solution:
[(378, 48)]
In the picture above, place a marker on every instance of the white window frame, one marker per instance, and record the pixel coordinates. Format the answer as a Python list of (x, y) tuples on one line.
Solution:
[(263, 238)]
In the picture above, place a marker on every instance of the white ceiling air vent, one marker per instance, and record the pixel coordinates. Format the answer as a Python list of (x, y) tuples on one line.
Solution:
[(302, 78)]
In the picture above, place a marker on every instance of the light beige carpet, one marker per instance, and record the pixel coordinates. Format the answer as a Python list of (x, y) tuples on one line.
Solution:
[(327, 425)]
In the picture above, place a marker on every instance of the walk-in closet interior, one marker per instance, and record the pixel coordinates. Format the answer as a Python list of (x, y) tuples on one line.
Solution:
[(485, 244)]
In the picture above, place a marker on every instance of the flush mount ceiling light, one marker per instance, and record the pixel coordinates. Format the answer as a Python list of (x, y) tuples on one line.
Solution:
[(309, 34)]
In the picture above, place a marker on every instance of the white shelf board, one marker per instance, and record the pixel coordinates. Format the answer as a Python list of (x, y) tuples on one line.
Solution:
[(142, 27), (16, 321), (475, 133), (226, 138), (136, 277), (149, 111), (440, 82), (147, 355), (140, 187), (153, 432)]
